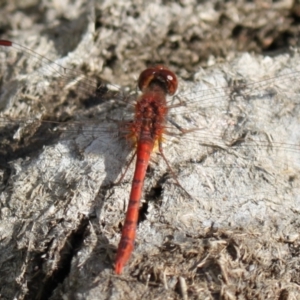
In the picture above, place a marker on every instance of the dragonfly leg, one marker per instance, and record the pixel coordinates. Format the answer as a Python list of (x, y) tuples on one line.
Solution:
[(126, 169), (160, 148)]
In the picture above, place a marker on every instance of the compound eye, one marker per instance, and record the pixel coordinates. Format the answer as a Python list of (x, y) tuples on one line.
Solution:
[(161, 74)]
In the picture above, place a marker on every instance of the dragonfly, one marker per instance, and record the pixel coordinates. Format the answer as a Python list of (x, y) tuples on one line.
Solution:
[(210, 123)]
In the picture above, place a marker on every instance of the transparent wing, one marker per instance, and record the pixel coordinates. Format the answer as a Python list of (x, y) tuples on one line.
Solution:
[(225, 138)]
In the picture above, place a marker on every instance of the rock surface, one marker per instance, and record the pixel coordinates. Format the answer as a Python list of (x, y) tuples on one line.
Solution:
[(236, 236)]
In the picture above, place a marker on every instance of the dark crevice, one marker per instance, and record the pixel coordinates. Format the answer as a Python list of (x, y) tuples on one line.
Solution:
[(111, 61), (11, 149), (155, 194), (101, 96), (44, 285), (143, 212), (7, 171), (284, 295), (280, 42), (231, 250)]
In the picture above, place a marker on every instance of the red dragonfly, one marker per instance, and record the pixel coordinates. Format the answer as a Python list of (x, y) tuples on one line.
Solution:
[(235, 114), (147, 129)]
